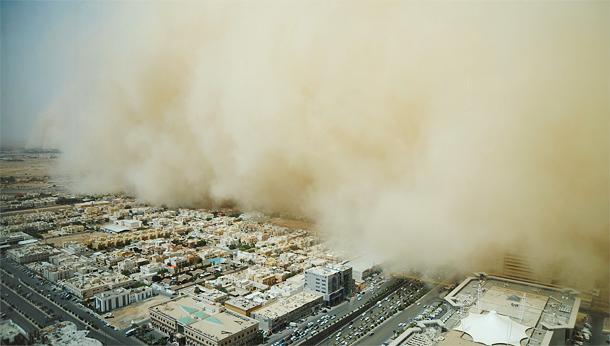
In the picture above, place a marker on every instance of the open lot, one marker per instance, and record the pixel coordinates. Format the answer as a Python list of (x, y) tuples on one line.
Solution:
[(59, 242), (135, 312)]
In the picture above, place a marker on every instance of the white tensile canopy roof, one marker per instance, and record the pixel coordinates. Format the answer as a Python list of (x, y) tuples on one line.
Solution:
[(491, 328)]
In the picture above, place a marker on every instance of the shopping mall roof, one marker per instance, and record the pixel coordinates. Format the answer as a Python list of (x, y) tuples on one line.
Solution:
[(491, 328)]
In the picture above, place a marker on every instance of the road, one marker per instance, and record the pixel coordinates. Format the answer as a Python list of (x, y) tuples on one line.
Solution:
[(597, 321), (385, 331), (339, 310), (366, 322), (20, 318), (37, 299)]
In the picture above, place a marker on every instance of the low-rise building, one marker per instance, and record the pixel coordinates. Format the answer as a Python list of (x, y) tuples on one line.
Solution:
[(203, 324), (278, 314), (12, 334), (31, 253), (113, 299), (55, 273), (66, 334), (87, 285), (110, 300), (242, 305), (498, 310), (210, 295)]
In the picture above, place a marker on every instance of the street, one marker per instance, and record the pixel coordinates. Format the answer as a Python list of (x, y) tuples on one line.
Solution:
[(361, 327), (338, 311), (385, 331), (37, 300)]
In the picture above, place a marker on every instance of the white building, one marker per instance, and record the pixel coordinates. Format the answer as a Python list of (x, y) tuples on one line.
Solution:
[(110, 300), (334, 282), (114, 299), (203, 324), (55, 273), (66, 334), (278, 314), (31, 253)]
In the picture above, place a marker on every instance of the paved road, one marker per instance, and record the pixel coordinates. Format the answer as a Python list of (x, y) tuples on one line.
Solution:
[(338, 310), (386, 330), (19, 318), (597, 321), (366, 322), (46, 306), (35, 314)]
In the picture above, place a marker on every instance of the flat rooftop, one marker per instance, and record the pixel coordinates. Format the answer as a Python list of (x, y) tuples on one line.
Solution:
[(205, 318), (243, 303), (286, 305), (322, 271), (541, 308)]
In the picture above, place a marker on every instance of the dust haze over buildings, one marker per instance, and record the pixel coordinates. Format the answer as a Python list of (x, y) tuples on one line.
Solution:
[(439, 135)]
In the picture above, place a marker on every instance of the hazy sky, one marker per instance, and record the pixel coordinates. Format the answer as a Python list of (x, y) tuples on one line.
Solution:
[(482, 126), (33, 68)]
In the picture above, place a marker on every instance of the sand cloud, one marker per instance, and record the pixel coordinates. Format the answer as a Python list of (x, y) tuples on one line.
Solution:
[(439, 135)]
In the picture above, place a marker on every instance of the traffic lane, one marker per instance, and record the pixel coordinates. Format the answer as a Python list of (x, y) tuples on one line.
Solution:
[(339, 310), (97, 327), (32, 311), (597, 322), (99, 331), (369, 320), (386, 330), (366, 321), (363, 324), (381, 288), (380, 331), (24, 323), (35, 313), (31, 296), (26, 307)]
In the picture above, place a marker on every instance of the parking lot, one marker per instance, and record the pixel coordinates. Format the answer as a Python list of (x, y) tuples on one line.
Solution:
[(39, 303), (365, 323), (303, 329)]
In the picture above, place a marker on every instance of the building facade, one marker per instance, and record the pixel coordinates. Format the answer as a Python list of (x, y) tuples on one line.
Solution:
[(278, 314), (334, 282), (114, 299), (203, 324)]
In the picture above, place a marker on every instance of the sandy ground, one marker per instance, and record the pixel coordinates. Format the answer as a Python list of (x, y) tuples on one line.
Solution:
[(291, 223), (134, 312), (32, 167), (33, 175), (78, 237)]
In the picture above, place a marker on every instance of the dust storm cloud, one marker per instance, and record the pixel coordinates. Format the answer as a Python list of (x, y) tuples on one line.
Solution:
[(437, 135)]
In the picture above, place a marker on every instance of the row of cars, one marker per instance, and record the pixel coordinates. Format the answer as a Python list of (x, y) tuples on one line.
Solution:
[(582, 335), (301, 331), (384, 309), (433, 311), (53, 292), (296, 333), (26, 294)]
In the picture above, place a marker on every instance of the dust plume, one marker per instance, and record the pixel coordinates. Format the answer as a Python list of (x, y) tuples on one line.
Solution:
[(439, 135)]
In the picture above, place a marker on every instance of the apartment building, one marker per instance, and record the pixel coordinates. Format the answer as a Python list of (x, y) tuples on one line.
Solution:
[(203, 324), (334, 282)]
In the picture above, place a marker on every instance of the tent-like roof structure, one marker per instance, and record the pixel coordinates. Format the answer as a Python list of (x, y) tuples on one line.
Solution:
[(491, 328)]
